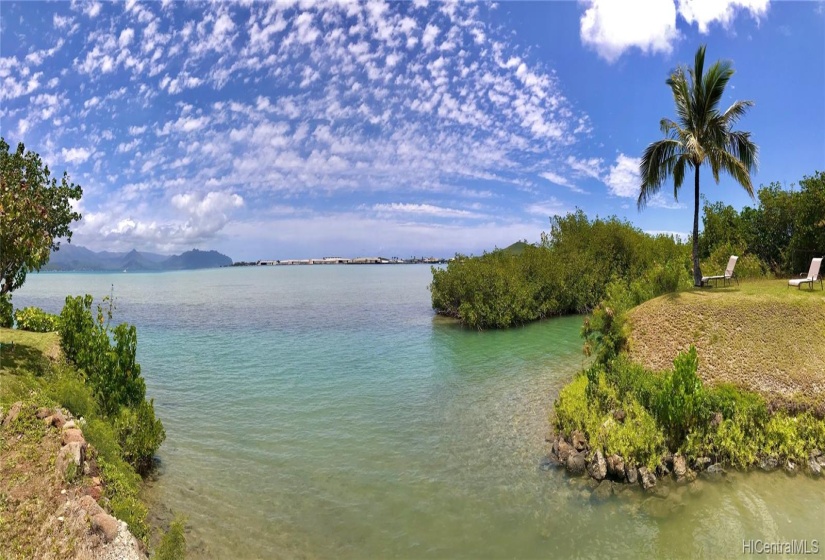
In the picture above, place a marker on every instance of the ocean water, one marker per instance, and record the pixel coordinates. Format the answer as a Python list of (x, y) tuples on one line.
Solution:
[(325, 412)]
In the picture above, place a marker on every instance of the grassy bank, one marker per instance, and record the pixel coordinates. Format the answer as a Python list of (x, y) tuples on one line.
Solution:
[(732, 376), (760, 336), (35, 373)]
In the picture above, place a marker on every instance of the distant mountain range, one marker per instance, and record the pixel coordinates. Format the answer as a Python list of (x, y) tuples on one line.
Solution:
[(74, 257)]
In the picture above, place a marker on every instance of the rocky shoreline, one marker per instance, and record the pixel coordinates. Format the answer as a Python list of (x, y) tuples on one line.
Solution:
[(60, 474), (611, 474)]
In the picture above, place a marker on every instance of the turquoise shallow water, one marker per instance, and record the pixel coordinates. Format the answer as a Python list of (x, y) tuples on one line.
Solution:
[(324, 412)]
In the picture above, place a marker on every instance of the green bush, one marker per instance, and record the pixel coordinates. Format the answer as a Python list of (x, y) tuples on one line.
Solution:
[(569, 273), (172, 545), (68, 388), (35, 319), (140, 434), (638, 439), (680, 405), (122, 486), (6, 311), (747, 265), (573, 411), (107, 356)]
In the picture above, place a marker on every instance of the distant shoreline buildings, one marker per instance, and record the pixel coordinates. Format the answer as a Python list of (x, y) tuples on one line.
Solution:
[(343, 260)]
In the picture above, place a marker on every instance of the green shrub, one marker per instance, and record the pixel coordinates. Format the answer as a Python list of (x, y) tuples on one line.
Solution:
[(638, 439), (6, 312), (572, 411), (107, 356), (747, 266), (172, 545), (569, 273), (122, 485), (680, 404), (35, 319), (139, 434), (783, 437), (68, 388)]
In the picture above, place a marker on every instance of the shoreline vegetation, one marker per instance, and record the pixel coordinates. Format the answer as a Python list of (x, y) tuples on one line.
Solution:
[(77, 374), (683, 380)]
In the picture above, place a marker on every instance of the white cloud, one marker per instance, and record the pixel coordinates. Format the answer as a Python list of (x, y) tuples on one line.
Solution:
[(75, 155), (590, 167), (557, 179), (705, 12), (547, 208), (659, 200), (623, 179), (423, 209), (612, 27)]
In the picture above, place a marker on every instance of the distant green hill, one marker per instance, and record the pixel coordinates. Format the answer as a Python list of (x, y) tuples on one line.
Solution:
[(516, 248)]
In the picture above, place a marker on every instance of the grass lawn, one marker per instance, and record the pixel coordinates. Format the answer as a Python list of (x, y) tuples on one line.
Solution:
[(760, 335), (24, 355)]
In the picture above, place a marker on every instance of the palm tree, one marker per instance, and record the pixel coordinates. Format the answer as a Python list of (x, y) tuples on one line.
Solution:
[(701, 134)]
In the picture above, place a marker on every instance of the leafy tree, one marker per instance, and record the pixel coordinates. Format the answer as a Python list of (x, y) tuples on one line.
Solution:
[(35, 213), (701, 135)]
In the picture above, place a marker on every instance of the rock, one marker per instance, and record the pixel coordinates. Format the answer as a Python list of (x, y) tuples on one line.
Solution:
[(687, 478), (58, 420), (565, 449), (679, 466), (69, 425), (90, 506), (715, 472), (814, 466), (619, 415), (603, 491), (646, 478), (791, 467), (768, 463), (105, 524), (716, 420), (14, 412), (701, 463), (95, 492), (631, 473), (43, 412), (578, 440), (548, 462), (73, 452), (598, 466), (576, 463), (665, 466), (615, 467), (73, 435), (821, 461)]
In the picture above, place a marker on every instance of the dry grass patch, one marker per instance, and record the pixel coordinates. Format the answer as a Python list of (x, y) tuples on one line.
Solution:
[(760, 336)]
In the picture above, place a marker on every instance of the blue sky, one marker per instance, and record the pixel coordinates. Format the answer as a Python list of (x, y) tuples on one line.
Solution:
[(306, 129)]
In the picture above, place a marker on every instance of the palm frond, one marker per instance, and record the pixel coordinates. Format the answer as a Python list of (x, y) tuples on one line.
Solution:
[(713, 86), (736, 111), (743, 149), (657, 164), (736, 169)]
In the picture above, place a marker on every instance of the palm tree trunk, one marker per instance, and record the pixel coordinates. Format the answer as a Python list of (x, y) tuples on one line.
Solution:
[(697, 273)]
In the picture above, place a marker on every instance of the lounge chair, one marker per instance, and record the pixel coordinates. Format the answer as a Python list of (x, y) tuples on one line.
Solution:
[(726, 277), (813, 275)]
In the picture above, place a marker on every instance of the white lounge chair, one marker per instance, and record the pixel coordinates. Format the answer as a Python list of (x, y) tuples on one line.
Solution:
[(813, 275), (726, 277)]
